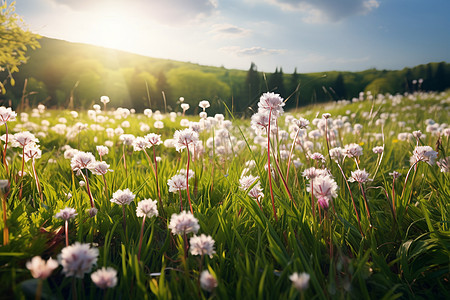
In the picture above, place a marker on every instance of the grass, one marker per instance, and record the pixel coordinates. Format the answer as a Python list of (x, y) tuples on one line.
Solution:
[(404, 255)]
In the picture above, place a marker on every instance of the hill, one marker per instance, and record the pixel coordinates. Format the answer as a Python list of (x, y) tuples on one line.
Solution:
[(61, 70)]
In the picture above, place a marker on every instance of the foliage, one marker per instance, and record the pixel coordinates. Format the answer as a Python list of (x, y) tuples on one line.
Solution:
[(14, 42), (404, 254)]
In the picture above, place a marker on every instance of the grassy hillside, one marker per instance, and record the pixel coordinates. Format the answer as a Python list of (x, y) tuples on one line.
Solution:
[(61, 70)]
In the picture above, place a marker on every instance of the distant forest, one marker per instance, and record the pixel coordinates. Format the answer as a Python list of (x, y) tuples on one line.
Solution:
[(74, 76)]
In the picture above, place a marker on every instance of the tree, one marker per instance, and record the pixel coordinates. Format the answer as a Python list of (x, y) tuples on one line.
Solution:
[(253, 85), (339, 87), (14, 42)]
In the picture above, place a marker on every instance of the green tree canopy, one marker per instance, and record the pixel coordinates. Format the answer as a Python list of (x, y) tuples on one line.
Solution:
[(14, 42)]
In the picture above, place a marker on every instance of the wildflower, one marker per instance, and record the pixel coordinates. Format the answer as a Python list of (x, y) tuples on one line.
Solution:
[(302, 123), (78, 259), (246, 182), (146, 207), (184, 138), (102, 150), (81, 160), (444, 164), (140, 144), (300, 281), (177, 183), (271, 102), (203, 115), (123, 197), (22, 139), (260, 122), (127, 139), (423, 153), (153, 138), (202, 245), (378, 149), (256, 192), (324, 189), (105, 278), (353, 150), (104, 99), (204, 104), (312, 173), (41, 269), (99, 167), (66, 214), (317, 156), (183, 223), (184, 173), (32, 151), (326, 115), (395, 174), (92, 212), (6, 114), (158, 124), (337, 154), (360, 176), (207, 281), (184, 106)]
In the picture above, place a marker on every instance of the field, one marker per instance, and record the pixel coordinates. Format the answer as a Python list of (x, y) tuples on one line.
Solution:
[(357, 204)]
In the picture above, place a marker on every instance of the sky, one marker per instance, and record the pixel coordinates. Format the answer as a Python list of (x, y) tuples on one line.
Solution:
[(309, 35)]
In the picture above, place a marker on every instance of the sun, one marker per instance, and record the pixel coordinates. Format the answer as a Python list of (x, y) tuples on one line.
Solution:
[(110, 30)]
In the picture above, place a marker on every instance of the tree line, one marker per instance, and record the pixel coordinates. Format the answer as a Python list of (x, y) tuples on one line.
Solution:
[(62, 74)]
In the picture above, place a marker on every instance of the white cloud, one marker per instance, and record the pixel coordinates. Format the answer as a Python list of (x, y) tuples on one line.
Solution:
[(228, 31), (321, 11), (252, 51)]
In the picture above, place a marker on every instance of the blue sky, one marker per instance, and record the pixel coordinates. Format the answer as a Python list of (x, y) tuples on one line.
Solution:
[(310, 35)]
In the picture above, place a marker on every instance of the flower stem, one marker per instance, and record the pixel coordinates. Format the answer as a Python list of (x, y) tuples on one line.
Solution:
[(353, 200), (187, 179), (5, 228), (5, 163), (141, 237), (21, 174), (268, 169), (66, 230), (88, 188), (37, 180)]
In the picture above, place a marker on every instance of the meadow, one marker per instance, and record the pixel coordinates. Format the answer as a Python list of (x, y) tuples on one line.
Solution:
[(122, 205)]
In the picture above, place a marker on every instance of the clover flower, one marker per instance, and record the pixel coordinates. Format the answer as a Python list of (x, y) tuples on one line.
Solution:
[(99, 168), (147, 207), (444, 164), (353, 150), (104, 99), (24, 138), (324, 189), (102, 150), (184, 138), (300, 281), (378, 149), (183, 223), (207, 281), (153, 138), (105, 278), (204, 104), (177, 183), (41, 269), (7, 114), (271, 102), (140, 144), (81, 160), (123, 197), (423, 153), (337, 154), (202, 245), (360, 176), (78, 259), (245, 182), (66, 214)]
